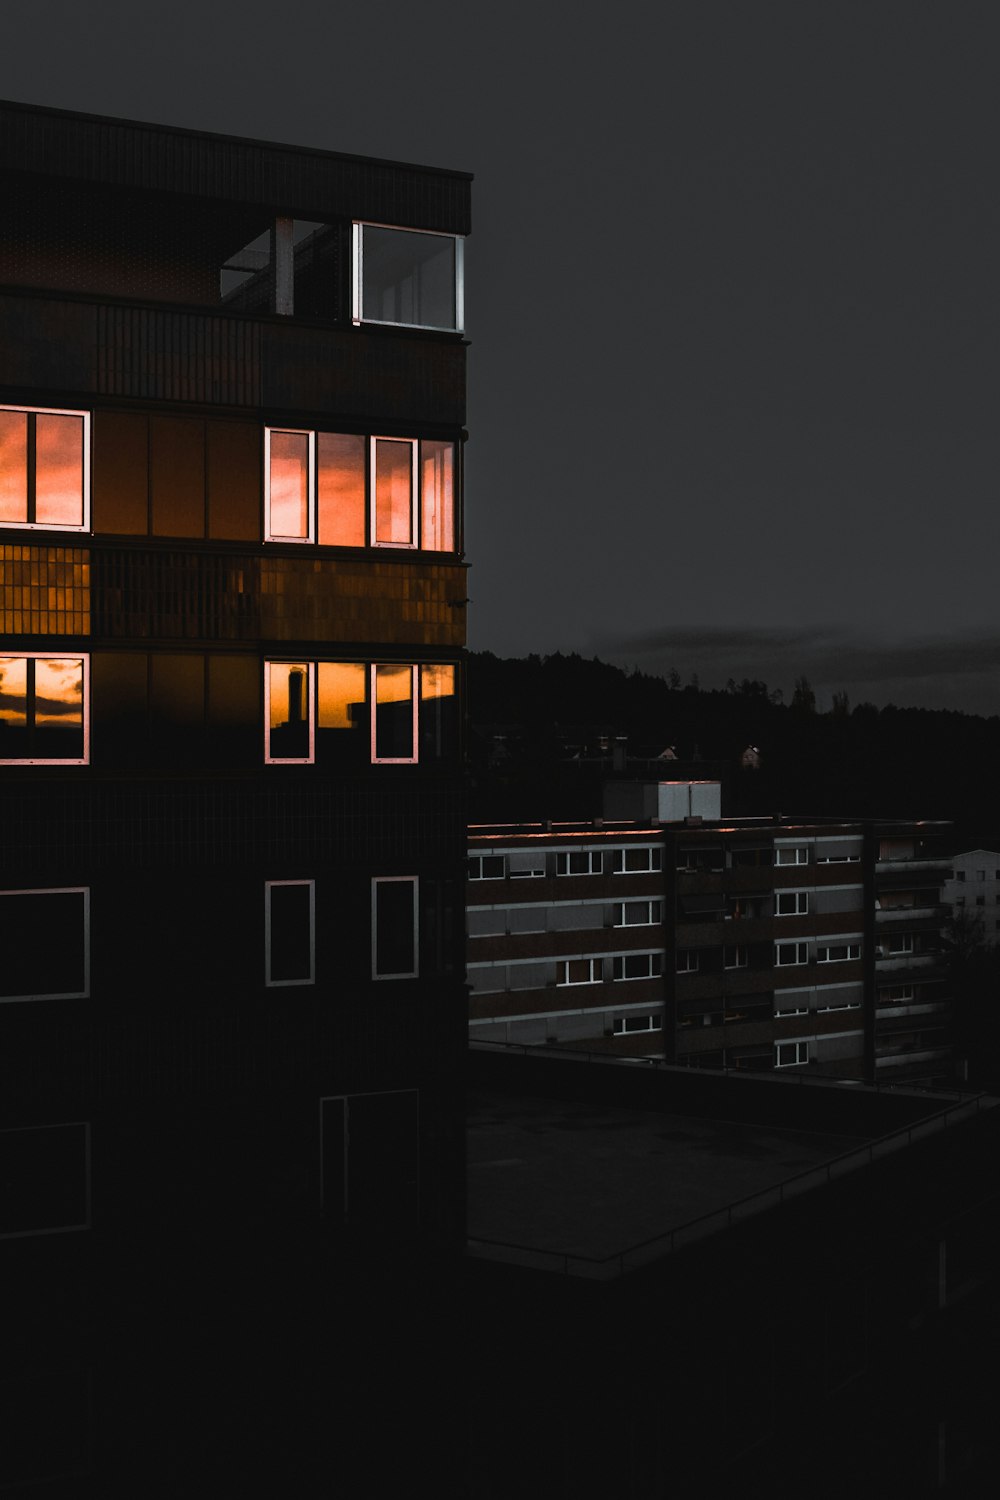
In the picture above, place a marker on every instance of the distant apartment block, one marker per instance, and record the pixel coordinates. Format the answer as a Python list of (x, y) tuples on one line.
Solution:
[(750, 944), (972, 893)]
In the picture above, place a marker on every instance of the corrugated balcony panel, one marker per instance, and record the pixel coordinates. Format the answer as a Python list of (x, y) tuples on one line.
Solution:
[(154, 158), (63, 829), (141, 353), (44, 590)]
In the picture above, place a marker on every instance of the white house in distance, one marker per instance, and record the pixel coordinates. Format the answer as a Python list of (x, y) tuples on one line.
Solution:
[(974, 888)]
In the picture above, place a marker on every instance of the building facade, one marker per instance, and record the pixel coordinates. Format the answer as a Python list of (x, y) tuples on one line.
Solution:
[(232, 589), (971, 893), (752, 944)]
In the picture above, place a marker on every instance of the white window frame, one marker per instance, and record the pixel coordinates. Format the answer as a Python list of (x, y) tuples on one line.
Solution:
[(899, 945), (741, 959), (595, 970), (825, 952), (800, 901), (792, 854), (290, 760), (269, 534), (651, 921), (477, 859), (395, 760), (58, 890), (564, 856), (414, 543), (684, 964), (653, 865), (58, 411), (800, 950), (798, 998), (801, 1045), (621, 1027), (274, 984), (654, 966), (414, 881), (358, 276), (83, 657)]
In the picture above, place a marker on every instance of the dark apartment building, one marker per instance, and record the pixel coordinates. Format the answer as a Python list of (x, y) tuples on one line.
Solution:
[(232, 590), (752, 944)]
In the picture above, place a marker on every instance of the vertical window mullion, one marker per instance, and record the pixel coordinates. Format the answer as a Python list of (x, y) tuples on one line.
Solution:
[(31, 461), (29, 704)]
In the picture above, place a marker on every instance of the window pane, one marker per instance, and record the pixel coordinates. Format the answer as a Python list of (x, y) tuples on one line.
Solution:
[(408, 277), (437, 481), (394, 713), (59, 470), (438, 712), (291, 936), (289, 485), (395, 935), (43, 941), (13, 707), (58, 702), (343, 713), (289, 710), (341, 489), (13, 466), (393, 493)]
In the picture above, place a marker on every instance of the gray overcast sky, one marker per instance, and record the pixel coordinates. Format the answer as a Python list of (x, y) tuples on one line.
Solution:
[(732, 301)]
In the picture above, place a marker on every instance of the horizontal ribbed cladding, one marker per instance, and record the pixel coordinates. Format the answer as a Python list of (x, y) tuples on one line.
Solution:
[(168, 356), (151, 354), (303, 182)]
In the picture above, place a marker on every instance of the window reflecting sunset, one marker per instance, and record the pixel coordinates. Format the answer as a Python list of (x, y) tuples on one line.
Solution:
[(43, 709), (58, 470), (437, 484), (13, 466), (289, 485), (341, 489), (393, 492)]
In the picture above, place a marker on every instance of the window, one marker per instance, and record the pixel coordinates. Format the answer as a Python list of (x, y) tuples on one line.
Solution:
[(352, 714), (790, 953), (394, 927), (587, 862), (901, 944), (486, 867), (289, 932), (792, 1003), (637, 966), (688, 961), (45, 1171), (959, 874), (644, 861), (791, 903), (792, 855), (980, 874), (347, 490), (526, 864), (791, 1054), (626, 1025), (895, 994), (408, 277), (44, 468), (837, 953), (579, 971), (45, 941), (980, 900), (735, 958), (637, 913), (44, 709)]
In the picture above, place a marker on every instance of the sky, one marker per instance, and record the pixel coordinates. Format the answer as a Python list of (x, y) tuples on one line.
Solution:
[(731, 297)]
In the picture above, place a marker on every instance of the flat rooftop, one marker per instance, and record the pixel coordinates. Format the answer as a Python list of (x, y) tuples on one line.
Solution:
[(593, 1187)]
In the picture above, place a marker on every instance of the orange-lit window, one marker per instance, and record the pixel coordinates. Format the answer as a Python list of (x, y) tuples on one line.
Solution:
[(342, 737), (340, 489), (437, 496), (289, 932), (439, 737), (394, 721), (289, 713), (289, 465), (45, 938), (44, 468), (44, 709), (395, 927), (394, 488), (409, 277)]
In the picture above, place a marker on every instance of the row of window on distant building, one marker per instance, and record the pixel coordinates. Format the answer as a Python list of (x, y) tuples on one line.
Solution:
[(542, 862), (333, 712), (332, 488), (37, 968)]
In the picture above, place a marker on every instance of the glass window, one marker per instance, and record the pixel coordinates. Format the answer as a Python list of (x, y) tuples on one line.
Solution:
[(289, 932), (438, 712), (289, 712), (44, 469), (288, 468), (735, 958), (44, 710), (393, 490), (394, 724), (486, 867), (586, 862), (437, 496), (340, 460), (637, 966), (45, 941), (688, 961), (791, 1054), (792, 903), (578, 971), (791, 953), (637, 914), (394, 927), (408, 277), (342, 713), (799, 855), (624, 1025)]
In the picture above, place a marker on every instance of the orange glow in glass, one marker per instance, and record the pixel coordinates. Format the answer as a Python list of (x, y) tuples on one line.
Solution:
[(289, 509), (13, 466), (14, 691), (437, 484), (393, 493), (341, 693), (59, 693), (341, 489), (59, 470)]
